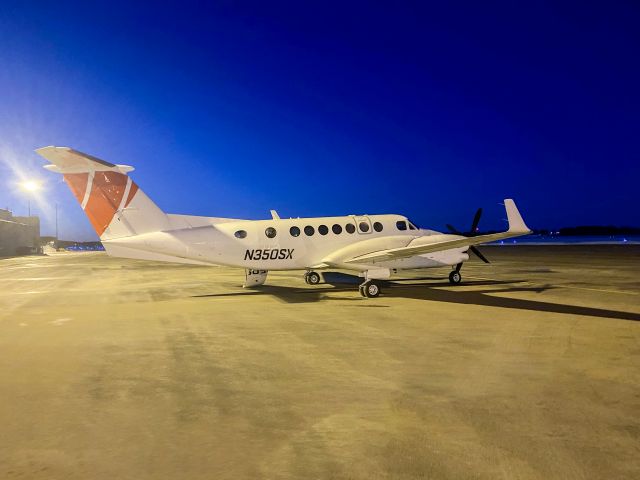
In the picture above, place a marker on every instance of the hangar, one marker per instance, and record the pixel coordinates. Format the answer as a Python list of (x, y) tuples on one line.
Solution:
[(18, 235)]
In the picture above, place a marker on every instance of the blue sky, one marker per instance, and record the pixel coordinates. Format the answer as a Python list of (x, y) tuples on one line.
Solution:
[(429, 110)]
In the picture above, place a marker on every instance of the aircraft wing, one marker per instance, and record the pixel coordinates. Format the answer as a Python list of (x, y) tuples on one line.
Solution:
[(517, 227)]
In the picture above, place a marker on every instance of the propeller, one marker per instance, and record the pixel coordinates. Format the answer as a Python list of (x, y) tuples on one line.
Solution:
[(471, 233)]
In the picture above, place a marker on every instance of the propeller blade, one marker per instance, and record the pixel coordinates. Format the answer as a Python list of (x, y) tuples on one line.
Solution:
[(478, 254), (452, 229), (476, 221)]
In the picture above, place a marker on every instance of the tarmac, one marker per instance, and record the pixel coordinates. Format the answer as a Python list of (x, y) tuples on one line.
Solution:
[(124, 369)]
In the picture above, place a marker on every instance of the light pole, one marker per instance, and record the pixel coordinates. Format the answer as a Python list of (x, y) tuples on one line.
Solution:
[(31, 187)]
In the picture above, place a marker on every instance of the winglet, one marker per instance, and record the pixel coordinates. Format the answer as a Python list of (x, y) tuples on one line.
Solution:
[(516, 223)]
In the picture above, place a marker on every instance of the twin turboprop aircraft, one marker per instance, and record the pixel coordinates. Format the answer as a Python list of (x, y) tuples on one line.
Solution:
[(130, 225)]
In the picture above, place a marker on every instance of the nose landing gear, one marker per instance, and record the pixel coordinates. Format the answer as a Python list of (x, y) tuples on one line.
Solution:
[(454, 277)]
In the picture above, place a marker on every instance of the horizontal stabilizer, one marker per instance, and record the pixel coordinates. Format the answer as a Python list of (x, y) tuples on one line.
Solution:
[(68, 160)]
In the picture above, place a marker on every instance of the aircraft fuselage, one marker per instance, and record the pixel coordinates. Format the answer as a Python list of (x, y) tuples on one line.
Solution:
[(297, 243)]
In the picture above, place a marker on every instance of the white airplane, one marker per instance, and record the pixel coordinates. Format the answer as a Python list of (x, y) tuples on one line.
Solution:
[(130, 225)]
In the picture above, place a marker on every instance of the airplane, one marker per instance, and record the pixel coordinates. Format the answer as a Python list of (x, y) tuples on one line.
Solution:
[(130, 225)]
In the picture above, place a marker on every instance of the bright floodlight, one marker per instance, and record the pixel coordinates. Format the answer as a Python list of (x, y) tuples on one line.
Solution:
[(30, 186)]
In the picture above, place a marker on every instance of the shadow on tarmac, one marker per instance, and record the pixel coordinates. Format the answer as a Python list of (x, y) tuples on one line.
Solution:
[(487, 298), (286, 294), (430, 292)]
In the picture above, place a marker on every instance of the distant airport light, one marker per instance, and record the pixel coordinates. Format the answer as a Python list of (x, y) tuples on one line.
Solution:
[(30, 186)]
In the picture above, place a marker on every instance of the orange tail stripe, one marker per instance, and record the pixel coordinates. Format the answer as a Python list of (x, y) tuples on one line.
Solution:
[(77, 182), (107, 192), (132, 192), (105, 197)]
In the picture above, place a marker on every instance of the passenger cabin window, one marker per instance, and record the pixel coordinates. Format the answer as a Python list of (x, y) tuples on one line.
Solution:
[(350, 228), (309, 230), (270, 232), (364, 227), (240, 234), (401, 224), (377, 226), (337, 229), (294, 231), (323, 230)]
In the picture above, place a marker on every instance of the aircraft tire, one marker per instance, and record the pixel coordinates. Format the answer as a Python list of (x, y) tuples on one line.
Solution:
[(313, 278), (370, 289), (455, 278)]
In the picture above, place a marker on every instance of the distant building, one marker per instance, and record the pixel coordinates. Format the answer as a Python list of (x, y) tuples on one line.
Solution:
[(18, 235)]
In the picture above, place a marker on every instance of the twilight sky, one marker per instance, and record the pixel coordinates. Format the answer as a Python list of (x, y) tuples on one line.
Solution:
[(428, 110)]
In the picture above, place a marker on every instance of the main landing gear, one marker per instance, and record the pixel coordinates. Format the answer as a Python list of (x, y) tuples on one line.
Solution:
[(312, 278), (370, 289)]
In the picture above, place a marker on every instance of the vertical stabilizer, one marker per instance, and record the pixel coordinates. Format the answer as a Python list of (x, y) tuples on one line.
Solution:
[(113, 202)]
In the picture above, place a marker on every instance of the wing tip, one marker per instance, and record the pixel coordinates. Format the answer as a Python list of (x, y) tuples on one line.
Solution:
[(516, 222)]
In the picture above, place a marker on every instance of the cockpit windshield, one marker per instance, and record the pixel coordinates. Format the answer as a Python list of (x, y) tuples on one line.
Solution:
[(405, 224)]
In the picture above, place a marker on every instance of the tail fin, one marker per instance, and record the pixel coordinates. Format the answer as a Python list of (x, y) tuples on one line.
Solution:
[(114, 204)]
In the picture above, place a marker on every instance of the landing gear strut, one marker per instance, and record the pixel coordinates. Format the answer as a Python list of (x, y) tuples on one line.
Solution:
[(312, 278), (370, 289)]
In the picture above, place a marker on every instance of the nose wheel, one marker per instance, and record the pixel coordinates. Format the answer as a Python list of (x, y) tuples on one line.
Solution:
[(312, 278), (370, 289), (455, 278)]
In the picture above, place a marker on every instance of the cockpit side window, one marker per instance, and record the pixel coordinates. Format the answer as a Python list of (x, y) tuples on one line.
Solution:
[(401, 225)]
